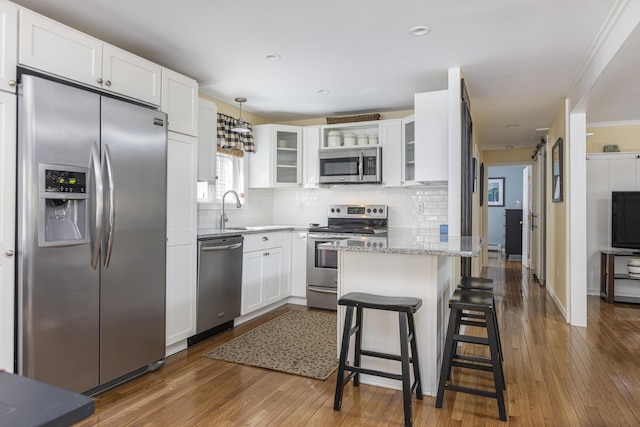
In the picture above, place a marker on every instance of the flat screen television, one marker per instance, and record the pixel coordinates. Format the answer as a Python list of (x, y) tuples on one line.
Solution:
[(625, 220)]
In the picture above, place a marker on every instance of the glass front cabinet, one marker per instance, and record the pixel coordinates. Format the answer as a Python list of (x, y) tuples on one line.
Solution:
[(277, 161)]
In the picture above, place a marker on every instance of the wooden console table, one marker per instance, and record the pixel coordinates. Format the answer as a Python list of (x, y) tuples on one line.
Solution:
[(608, 274)]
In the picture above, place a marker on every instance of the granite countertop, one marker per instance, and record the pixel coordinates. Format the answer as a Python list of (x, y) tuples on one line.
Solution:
[(415, 241), (212, 233)]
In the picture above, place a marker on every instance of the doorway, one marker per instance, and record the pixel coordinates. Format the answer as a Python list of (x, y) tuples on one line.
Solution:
[(508, 216)]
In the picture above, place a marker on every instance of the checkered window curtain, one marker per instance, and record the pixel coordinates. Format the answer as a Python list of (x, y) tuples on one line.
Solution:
[(233, 143)]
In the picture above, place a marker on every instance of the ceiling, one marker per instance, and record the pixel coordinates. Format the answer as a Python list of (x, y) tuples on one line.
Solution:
[(518, 57)]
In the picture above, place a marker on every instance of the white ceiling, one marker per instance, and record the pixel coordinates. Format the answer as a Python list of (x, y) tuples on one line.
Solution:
[(518, 57)]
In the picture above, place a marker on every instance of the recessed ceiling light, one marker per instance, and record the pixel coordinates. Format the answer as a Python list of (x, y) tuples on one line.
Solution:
[(273, 57), (323, 91), (420, 30), (511, 126)]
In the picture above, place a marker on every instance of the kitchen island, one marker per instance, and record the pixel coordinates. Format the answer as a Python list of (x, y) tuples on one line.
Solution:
[(409, 265)]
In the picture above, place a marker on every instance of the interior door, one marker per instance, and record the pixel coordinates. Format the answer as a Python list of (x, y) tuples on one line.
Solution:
[(526, 215)]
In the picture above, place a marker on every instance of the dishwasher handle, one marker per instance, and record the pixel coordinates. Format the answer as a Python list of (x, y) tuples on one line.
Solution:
[(221, 247)]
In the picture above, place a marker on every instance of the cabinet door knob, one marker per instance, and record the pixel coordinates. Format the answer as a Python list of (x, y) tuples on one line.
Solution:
[(100, 80), (9, 252), (265, 238), (108, 82), (12, 83)]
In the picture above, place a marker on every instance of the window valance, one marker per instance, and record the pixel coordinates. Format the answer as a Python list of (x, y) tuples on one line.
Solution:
[(233, 143)]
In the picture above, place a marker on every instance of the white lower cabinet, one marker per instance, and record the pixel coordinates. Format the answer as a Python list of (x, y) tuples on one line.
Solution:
[(299, 264), (182, 161), (7, 227), (263, 273)]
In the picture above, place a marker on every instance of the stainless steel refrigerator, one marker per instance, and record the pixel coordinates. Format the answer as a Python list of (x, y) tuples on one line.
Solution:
[(91, 236)]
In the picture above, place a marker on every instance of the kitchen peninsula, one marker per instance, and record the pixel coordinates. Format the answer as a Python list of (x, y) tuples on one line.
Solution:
[(409, 265)]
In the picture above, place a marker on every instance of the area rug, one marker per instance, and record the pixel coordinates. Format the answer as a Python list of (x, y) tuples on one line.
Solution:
[(298, 342)]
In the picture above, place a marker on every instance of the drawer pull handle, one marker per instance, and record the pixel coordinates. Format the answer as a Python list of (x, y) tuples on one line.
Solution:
[(265, 238)]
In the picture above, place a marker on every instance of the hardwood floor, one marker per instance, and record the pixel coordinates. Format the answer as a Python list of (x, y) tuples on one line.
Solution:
[(557, 375)]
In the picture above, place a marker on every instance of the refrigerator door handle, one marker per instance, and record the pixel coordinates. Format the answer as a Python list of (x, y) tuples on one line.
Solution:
[(111, 201), (97, 179)]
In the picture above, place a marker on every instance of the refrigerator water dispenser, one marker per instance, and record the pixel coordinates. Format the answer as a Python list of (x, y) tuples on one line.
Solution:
[(62, 205)]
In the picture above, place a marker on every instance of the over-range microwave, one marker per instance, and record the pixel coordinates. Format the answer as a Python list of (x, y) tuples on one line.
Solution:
[(353, 165)]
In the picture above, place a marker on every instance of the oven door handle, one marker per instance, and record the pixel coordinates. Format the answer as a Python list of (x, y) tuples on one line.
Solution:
[(322, 290), (322, 236)]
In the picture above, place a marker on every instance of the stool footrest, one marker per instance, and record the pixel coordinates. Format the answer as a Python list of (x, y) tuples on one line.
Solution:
[(356, 369), (473, 323), (386, 356), (471, 339), (473, 315), (472, 366), (468, 390), (472, 359)]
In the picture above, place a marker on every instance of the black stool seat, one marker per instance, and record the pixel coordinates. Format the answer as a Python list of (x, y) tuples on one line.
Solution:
[(460, 303), (472, 300), (379, 302), (405, 307), (470, 282)]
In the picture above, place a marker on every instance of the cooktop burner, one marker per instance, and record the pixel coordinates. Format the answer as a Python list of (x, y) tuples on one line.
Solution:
[(348, 229), (355, 219)]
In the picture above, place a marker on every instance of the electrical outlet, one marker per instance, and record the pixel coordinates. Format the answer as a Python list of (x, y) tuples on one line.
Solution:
[(420, 207)]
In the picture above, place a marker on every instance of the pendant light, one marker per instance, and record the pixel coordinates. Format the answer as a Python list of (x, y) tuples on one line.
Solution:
[(241, 127)]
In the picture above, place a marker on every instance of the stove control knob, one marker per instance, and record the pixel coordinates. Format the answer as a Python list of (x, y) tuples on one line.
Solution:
[(333, 210), (338, 210), (380, 210), (375, 210), (369, 210)]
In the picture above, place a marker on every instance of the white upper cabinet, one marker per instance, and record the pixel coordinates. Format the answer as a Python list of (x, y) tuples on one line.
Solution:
[(8, 46), (180, 102), (130, 75), (391, 141), (311, 160), (207, 136), (50, 46), (432, 136), (54, 48), (277, 161)]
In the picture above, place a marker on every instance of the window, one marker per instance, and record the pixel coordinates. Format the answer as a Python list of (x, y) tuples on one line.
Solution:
[(231, 176)]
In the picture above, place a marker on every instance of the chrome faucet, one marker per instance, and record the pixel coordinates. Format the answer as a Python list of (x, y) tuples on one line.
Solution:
[(223, 216)]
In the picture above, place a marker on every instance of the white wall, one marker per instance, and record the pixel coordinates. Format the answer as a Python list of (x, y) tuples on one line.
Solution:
[(424, 207)]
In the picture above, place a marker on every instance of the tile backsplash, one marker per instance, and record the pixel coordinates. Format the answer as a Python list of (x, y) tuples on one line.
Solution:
[(424, 207)]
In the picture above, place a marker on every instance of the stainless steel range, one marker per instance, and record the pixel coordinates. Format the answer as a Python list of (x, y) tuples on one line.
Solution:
[(361, 225)]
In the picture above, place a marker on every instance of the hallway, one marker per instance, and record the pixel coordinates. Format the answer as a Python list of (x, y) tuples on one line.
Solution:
[(563, 375)]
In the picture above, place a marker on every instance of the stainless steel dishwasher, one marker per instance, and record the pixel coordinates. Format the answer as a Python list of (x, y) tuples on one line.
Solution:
[(219, 285)]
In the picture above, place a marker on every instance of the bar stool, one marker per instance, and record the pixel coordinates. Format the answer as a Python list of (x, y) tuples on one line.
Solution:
[(476, 283), (405, 307), (473, 283), (477, 301)]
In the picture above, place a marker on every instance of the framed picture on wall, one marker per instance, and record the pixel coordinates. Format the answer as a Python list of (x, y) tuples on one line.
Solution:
[(495, 192), (556, 171)]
